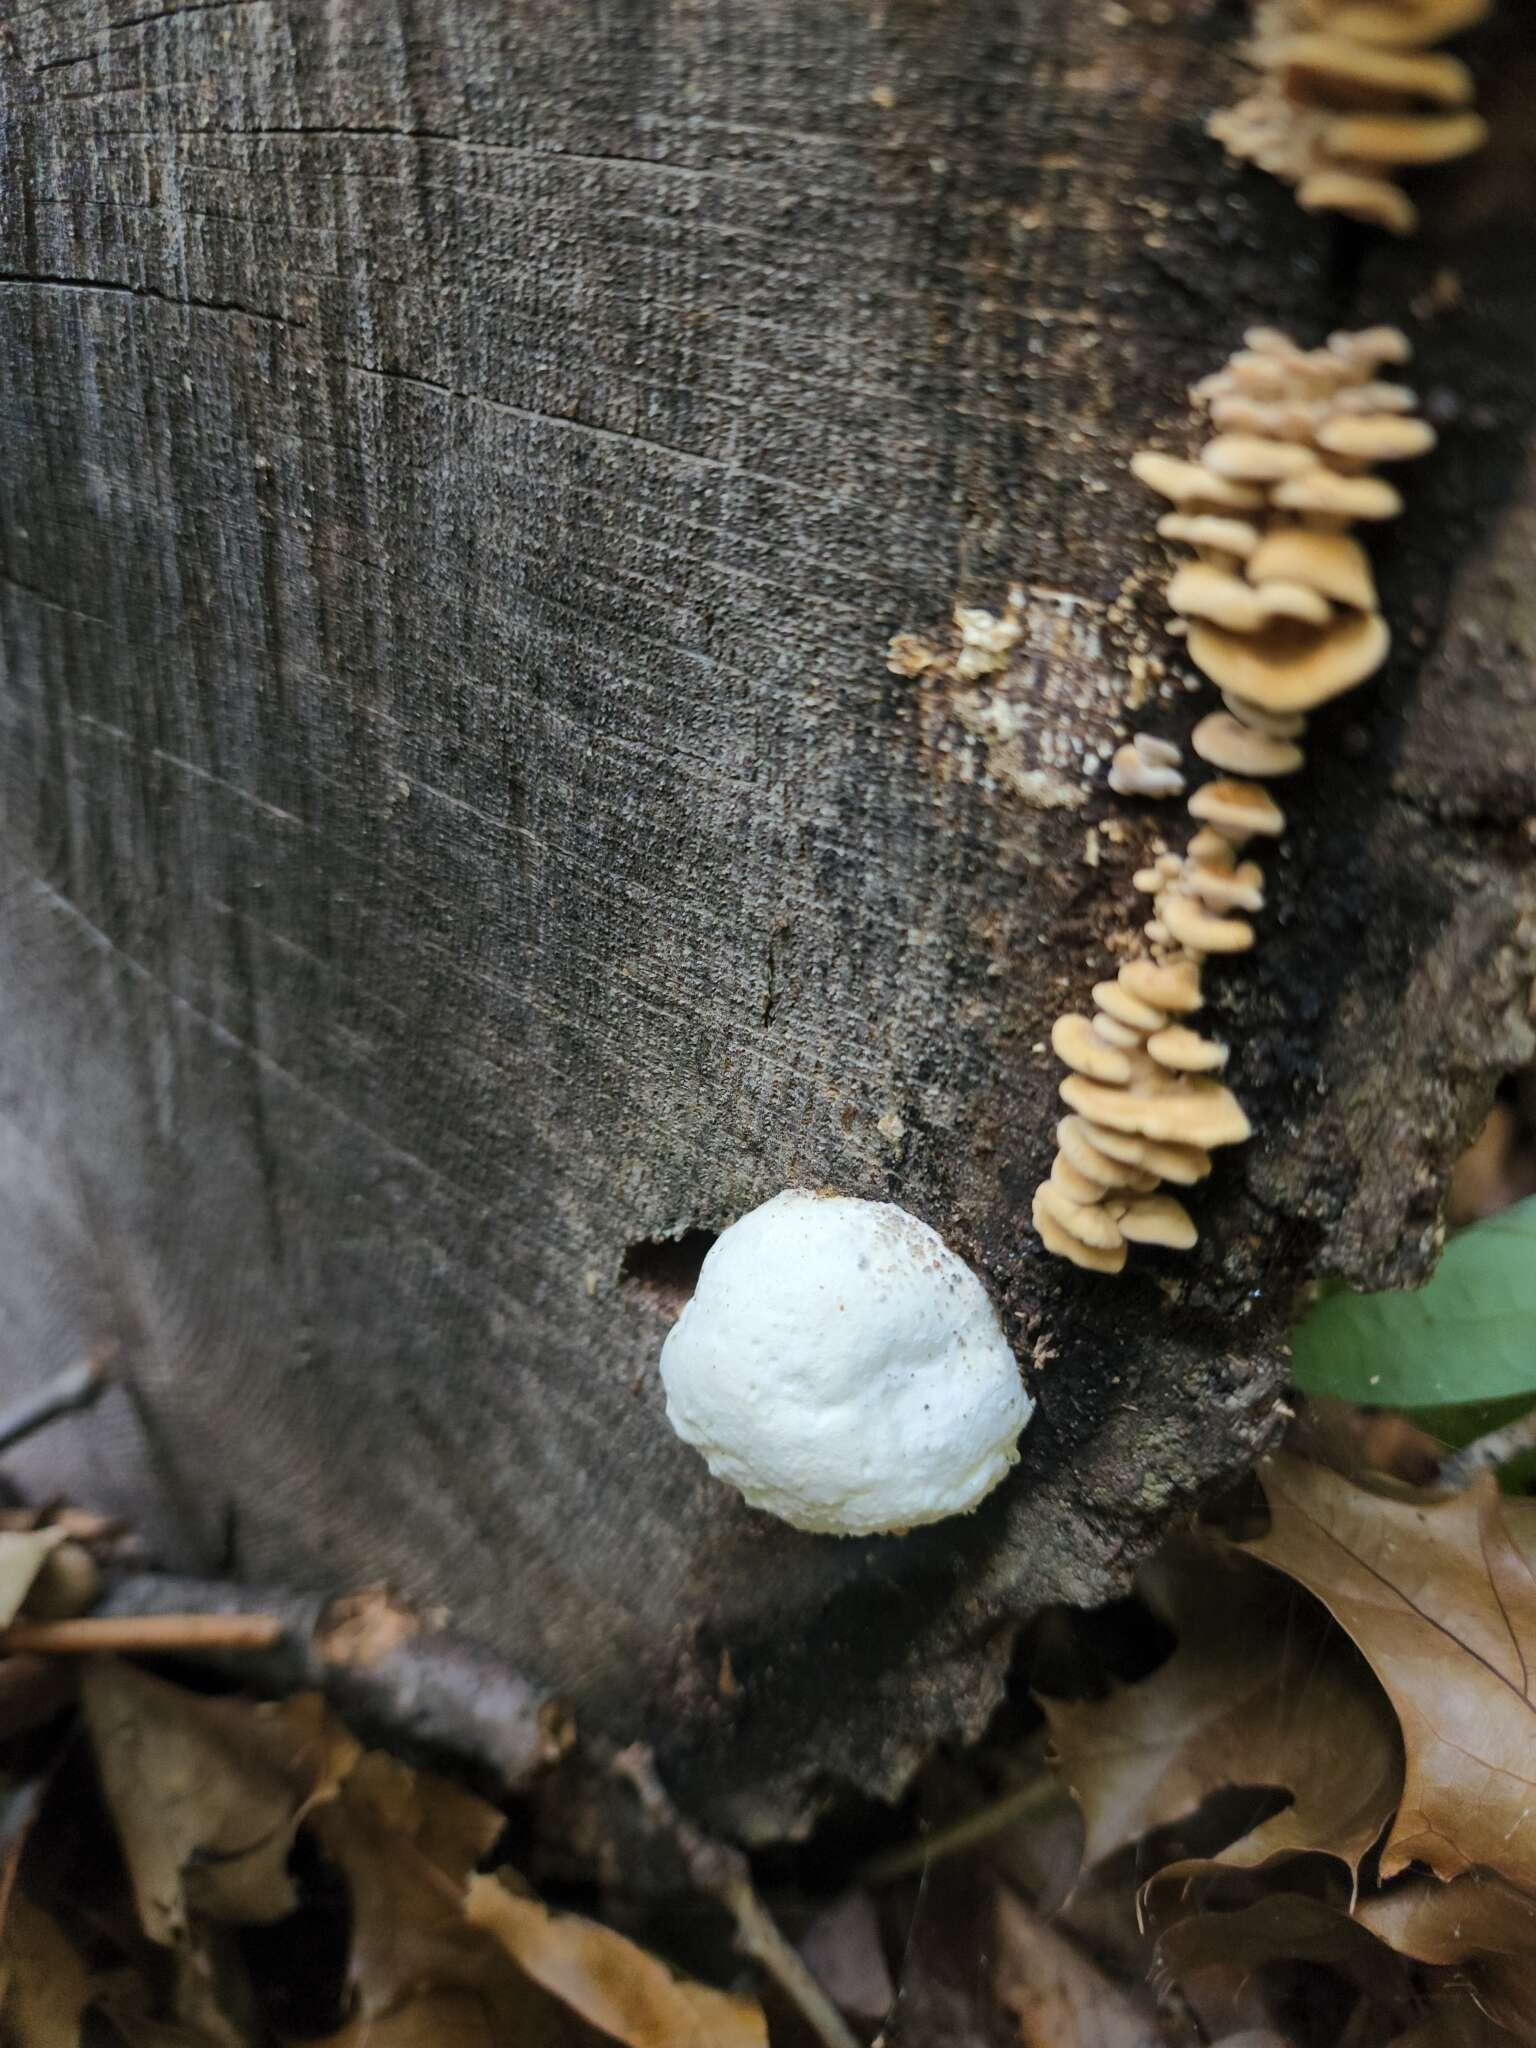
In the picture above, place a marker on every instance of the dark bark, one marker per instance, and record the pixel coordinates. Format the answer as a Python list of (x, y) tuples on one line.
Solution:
[(463, 466)]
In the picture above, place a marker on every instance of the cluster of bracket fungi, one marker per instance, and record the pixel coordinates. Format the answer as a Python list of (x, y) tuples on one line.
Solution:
[(1278, 607), (1349, 93)]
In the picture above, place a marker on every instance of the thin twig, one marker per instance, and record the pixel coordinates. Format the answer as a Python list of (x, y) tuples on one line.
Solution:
[(1487, 1453), (396, 1679), (964, 1833), (142, 1635), (77, 1387), (721, 1873)]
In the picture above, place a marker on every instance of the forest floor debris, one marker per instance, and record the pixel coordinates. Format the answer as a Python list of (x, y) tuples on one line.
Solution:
[(1282, 1796)]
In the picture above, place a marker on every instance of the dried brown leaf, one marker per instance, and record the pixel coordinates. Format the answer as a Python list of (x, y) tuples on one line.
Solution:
[(1480, 1927), (1261, 1691), (1059, 1997), (407, 1843), (438, 2019), (206, 1794), (1454, 2020), (611, 1982), (23, 1553), (44, 1985), (1440, 1596), (1287, 1927)]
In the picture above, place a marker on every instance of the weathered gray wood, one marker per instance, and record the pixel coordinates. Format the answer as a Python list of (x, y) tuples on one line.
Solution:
[(463, 464)]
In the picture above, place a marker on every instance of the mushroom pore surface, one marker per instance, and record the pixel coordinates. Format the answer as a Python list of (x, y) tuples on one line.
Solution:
[(843, 1370)]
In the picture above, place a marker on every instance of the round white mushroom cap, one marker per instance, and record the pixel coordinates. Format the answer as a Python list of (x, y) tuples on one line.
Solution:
[(843, 1369)]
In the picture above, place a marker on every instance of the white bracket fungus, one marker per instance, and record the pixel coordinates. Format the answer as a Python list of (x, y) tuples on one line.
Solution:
[(843, 1370), (1280, 612)]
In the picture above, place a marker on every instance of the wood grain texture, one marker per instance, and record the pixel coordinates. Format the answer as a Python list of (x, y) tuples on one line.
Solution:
[(463, 465)]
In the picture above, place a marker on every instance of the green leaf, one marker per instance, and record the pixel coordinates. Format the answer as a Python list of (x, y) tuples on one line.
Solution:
[(1468, 1335)]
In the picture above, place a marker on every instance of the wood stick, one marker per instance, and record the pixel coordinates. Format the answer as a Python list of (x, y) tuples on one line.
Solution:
[(1488, 1453), (409, 1685), (142, 1635), (721, 1873)]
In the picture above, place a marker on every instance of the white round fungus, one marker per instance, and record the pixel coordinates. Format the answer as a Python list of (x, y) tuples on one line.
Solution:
[(843, 1369)]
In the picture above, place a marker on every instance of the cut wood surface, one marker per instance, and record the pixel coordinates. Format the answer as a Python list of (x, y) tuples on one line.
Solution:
[(463, 465)]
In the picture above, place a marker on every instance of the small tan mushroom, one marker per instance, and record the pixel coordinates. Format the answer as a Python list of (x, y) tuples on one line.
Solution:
[(1377, 437), (1096, 1166), (1124, 1147), (1238, 810), (1189, 1112), (1202, 930), (1085, 1220), (1146, 766), (1187, 483), (1065, 1246), (1072, 1143), (1200, 591), (1186, 1052), (1282, 600), (1359, 196), (1240, 749), (1158, 1219), (1213, 848), (1172, 986), (1287, 668), (1182, 1164), (1316, 66), (1226, 888), (1116, 1001), (1372, 346), (1406, 24), (1332, 563), (1278, 725), (1254, 459), (1149, 880), (1113, 1032), (1077, 1187), (1074, 1040), (1340, 497), (1396, 139), (1210, 530), (1374, 397)]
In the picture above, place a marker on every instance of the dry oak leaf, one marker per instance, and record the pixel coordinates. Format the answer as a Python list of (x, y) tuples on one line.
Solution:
[(1059, 1997), (422, 1975), (1260, 1691), (207, 1794), (406, 1842), (1287, 1927), (44, 1987), (610, 1982), (1454, 2020), (1482, 1928), (1440, 1597), (23, 1553)]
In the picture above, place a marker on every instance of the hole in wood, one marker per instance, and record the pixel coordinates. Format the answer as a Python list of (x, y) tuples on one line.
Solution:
[(664, 1271)]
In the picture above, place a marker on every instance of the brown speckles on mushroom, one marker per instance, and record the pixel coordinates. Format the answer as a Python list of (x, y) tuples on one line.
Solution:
[(1346, 96), (1278, 608)]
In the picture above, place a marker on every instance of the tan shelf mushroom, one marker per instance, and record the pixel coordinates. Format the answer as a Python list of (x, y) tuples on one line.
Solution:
[(1279, 610), (1347, 96)]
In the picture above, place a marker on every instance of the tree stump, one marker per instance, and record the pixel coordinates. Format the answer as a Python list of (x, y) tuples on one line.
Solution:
[(463, 843)]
